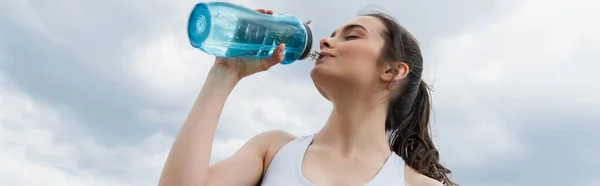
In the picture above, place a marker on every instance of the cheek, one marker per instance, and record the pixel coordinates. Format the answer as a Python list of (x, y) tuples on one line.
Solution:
[(360, 60), (351, 50), (359, 52)]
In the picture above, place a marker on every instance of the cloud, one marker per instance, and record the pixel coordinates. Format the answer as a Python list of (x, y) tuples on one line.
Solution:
[(505, 88), (90, 97), (30, 146), (169, 67)]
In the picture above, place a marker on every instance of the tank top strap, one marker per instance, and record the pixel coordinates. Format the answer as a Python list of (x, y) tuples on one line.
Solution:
[(286, 166)]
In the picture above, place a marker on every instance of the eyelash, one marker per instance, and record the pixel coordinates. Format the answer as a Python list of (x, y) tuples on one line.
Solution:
[(351, 37)]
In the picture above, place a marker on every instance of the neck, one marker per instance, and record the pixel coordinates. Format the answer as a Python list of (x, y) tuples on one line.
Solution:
[(355, 127)]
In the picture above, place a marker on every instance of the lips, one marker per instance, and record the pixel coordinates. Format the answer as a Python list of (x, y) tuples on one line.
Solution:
[(322, 56), (325, 54)]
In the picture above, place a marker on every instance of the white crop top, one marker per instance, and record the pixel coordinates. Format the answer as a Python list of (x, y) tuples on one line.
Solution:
[(286, 167)]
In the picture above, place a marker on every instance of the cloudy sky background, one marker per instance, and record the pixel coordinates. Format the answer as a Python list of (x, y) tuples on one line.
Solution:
[(93, 92)]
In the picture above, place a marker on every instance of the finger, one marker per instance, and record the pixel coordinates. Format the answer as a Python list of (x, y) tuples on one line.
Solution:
[(277, 56), (261, 10)]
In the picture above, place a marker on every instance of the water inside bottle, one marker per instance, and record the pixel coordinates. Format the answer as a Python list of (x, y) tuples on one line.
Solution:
[(233, 37)]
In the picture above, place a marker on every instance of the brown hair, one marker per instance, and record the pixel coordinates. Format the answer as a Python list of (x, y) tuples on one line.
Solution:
[(409, 112)]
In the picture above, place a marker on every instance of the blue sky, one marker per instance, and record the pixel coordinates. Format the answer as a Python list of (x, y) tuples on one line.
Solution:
[(93, 92)]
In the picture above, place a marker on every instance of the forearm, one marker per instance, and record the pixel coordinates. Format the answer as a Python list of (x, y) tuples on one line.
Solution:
[(188, 161)]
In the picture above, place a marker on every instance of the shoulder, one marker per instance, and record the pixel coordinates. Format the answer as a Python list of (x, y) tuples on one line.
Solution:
[(247, 165), (270, 142), (414, 178), (272, 139)]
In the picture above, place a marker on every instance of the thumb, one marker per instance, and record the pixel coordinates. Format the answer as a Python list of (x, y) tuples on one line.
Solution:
[(277, 56)]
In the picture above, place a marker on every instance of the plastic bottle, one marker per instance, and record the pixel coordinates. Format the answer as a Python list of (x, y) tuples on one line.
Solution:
[(228, 30)]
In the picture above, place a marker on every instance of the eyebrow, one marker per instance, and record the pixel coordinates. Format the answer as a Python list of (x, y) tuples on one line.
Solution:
[(347, 28)]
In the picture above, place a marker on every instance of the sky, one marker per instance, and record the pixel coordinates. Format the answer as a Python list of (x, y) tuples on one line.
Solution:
[(93, 92)]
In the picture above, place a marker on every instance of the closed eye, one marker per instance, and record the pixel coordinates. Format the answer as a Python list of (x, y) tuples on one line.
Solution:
[(351, 37)]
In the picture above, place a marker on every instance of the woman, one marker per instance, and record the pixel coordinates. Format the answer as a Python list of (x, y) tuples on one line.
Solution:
[(370, 69)]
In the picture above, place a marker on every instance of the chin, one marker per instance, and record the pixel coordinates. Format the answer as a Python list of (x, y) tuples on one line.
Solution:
[(327, 80), (320, 75)]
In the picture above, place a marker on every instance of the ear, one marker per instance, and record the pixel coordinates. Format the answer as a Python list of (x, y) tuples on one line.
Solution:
[(394, 72)]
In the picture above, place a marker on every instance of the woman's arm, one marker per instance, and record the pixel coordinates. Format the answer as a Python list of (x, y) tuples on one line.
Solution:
[(188, 160), (247, 165)]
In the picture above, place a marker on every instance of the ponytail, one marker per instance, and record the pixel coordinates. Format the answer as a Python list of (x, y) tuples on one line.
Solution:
[(408, 125), (407, 122)]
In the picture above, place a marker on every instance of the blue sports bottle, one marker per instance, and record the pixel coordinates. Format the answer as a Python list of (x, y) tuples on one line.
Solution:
[(228, 30)]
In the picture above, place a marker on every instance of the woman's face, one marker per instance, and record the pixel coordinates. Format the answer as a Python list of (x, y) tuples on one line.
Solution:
[(350, 58)]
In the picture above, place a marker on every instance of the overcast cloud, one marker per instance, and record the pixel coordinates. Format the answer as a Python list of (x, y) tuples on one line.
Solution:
[(93, 92)]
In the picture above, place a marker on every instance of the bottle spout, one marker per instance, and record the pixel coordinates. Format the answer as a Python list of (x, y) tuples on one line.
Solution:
[(314, 55)]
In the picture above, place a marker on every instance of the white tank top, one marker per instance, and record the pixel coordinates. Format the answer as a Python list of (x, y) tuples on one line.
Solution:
[(286, 167)]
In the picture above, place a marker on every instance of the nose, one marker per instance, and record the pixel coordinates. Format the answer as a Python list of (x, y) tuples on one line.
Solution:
[(326, 43)]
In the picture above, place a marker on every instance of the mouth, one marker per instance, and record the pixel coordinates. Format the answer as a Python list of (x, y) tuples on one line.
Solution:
[(324, 55)]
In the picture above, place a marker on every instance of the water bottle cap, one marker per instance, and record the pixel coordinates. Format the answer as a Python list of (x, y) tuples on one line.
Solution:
[(309, 41)]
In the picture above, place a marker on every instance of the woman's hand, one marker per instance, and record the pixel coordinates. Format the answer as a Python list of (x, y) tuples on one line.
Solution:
[(188, 163), (239, 68)]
